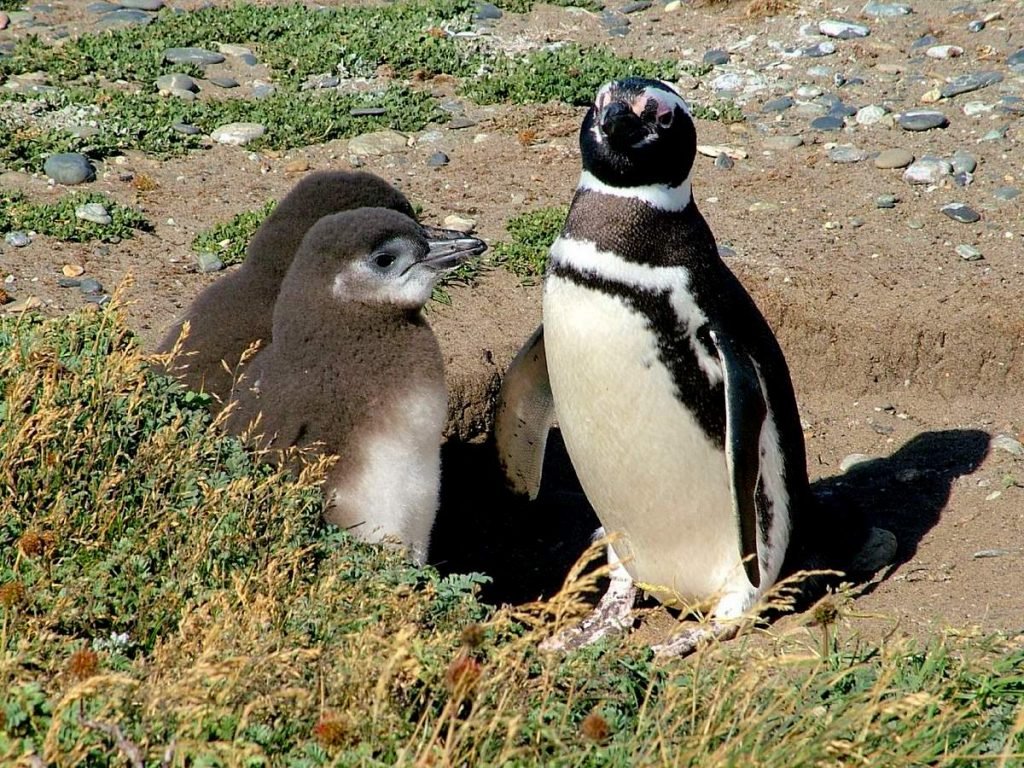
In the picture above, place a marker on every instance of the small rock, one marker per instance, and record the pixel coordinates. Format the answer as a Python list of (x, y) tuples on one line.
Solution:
[(885, 10), (826, 48), (1006, 194), (878, 551), (198, 56), (976, 26), (763, 206), (206, 261), (716, 57), (262, 90), (176, 81), (124, 17), (459, 122), (17, 239), (827, 123), (808, 92), (186, 129), (438, 159), (963, 162), (378, 143), (238, 134), (1015, 61), (996, 134), (100, 299), (960, 212), (249, 59), (487, 12), (299, 165), (726, 251), (983, 553), (724, 162), (90, 285), (944, 52), (894, 158), (714, 150), (972, 81), (977, 108), (23, 305), (636, 6), (94, 212), (924, 40), (886, 201), (843, 30), (927, 170), (846, 153), (922, 120), (778, 105), (367, 112), (231, 49), (849, 462), (1013, 105), (968, 252), (1007, 443), (783, 143), (142, 5), (69, 168), (460, 223), (224, 82), (68, 282), (72, 270), (870, 115)]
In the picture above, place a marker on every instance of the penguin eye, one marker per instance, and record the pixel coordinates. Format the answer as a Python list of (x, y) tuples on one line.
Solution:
[(383, 259), (665, 119)]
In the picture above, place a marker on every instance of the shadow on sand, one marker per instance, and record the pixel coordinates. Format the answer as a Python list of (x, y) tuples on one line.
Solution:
[(527, 548)]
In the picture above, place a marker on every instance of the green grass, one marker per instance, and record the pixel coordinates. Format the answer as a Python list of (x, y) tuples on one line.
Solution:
[(58, 219), (229, 239), (526, 255)]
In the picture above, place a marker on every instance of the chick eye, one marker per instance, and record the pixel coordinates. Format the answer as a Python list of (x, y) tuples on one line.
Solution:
[(383, 260)]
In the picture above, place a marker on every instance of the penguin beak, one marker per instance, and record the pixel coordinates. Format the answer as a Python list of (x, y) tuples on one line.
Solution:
[(450, 248), (623, 127)]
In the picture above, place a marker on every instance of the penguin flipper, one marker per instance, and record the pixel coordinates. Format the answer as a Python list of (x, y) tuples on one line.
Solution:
[(525, 415), (745, 412)]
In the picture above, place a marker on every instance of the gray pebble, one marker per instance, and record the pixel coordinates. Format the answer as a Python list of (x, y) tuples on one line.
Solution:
[(843, 30), (68, 282), (886, 201), (922, 120), (976, 26), (724, 162), (207, 261), (90, 285), (142, 5), (778, 105), (960, 212), (1015, 61), (982, 553), (1013, 105), (924, 41), (893, 158), (716, 57), (878, 551), (487, 12), (94, 212), (224, 82), (69, 168), (368, 112), (17, 239), (783, 143), (198, 56), (249, 59), (852, 460), (101, 7), (238, 134), (972, 81), (636, 6), (968, 252), (962, 179), (726, 251), (927, 170), (1006, 193), (262, 90), (996, 134), (846, 153), (963, 162), (826, 48), (124, 17), (186, 129), (460, 122), (176, 81), (885, 10), (438, 159), (1007, 443), (101, 299), (871, 114), (827, 123)]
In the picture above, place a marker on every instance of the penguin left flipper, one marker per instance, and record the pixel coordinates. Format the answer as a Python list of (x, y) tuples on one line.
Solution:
[(745, 412), (524, 417)]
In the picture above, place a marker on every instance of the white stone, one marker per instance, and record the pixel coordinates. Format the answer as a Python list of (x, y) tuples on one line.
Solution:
[(871, 114), (378, 143), (944, 52), (976, 108), (94, 212), (238, 134), (714, 150), (844, 30), (459, 223), (853, 460), (927, 170)]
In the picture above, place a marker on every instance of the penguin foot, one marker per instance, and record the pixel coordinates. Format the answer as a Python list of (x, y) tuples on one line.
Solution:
[(688, 641), (613, 613)]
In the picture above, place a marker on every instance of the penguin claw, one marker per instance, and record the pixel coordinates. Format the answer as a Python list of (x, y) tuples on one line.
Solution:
[(613, 614), (689, 640)]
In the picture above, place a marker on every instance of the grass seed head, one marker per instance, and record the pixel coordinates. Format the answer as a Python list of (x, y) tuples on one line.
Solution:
[(11, 593), (595, 728), (462, 675), (473, 635), (330, 732), (83, 664), (825, 613)]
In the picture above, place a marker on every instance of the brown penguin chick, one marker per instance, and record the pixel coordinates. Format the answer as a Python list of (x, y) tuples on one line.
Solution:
[(354, 370), (236, 310)]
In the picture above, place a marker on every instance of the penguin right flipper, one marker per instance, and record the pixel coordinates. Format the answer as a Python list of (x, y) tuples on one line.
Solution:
[(525, 415), (745, 411)]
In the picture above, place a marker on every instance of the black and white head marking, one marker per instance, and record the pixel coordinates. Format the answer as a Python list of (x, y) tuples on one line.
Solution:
[(638, 140)]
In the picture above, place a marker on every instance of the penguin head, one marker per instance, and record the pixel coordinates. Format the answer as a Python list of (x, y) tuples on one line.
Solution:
[(377, 256), (638, 132)]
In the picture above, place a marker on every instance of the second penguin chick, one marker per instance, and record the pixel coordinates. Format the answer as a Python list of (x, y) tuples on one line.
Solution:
[(355, 367)]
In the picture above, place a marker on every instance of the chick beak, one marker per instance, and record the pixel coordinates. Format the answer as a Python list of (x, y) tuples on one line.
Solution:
[(449, 248)]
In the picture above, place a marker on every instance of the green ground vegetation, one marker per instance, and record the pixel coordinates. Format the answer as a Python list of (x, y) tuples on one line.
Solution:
[(165, 596), (411, 40), (532, 234), (58, 219), (229, 239)]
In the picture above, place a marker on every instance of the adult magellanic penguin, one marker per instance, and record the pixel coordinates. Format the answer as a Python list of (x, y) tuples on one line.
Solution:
[(235, 311), (670, 390), (354, 369)]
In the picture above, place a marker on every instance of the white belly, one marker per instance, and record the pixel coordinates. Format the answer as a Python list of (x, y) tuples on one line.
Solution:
[(652, 475)]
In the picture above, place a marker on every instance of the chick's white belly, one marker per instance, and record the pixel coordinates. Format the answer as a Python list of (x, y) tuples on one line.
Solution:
[(652, 475)]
